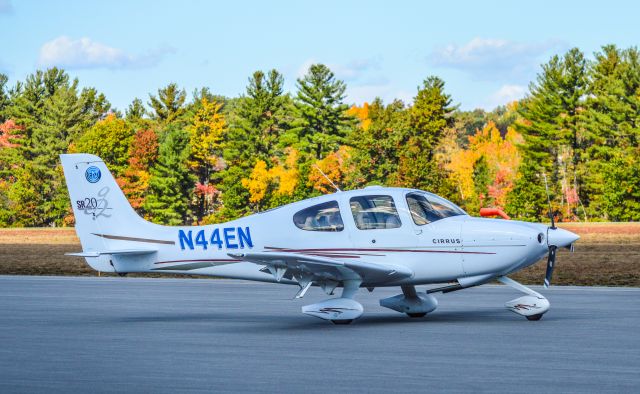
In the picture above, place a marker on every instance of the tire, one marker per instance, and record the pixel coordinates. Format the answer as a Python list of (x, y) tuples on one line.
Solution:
[(534, 317), (342, 322), (416, 315)]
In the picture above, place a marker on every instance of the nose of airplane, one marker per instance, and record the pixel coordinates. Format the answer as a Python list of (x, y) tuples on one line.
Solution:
[(560, 237)]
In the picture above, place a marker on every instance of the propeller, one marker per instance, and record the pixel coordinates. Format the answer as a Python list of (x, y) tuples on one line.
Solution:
[(551, 262), (551, 259)]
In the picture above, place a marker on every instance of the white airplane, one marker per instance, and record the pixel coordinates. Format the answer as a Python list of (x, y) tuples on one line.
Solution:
[(373, 237)]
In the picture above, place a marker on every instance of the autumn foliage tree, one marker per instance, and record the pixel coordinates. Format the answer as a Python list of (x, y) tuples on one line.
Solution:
[(206, 142)]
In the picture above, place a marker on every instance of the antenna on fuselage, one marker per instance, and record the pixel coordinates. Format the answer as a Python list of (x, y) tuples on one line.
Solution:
[(327, 178), (546, 186)]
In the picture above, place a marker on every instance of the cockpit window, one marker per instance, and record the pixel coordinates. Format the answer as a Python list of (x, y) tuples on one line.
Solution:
[(429, 208), (321, 217), (374, 212)]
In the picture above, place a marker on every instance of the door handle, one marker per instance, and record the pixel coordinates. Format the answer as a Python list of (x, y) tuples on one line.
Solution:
[(418, 232)]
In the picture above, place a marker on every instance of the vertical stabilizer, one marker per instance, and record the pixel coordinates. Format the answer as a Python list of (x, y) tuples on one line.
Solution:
[(105, 221)]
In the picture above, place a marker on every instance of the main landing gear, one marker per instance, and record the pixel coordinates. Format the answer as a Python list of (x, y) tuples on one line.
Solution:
[(532, 306), (411, 302), (341, 310)]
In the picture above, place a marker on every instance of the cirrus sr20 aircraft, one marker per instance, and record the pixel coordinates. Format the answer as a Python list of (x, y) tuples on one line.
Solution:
[(373, 237)]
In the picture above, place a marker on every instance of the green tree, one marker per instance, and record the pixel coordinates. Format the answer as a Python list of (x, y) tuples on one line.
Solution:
[(171, 183), (4, 96), (376, 143), (612, 124), (551, 128), (135, 111), (263, 115), (322, 124), (429, 115), (111, 140), (168, 105)]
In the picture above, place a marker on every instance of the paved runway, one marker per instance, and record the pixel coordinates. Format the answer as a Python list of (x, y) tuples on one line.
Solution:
[(172, 335)]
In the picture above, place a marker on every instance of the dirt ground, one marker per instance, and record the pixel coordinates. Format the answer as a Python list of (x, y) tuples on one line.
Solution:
[(608, 254)]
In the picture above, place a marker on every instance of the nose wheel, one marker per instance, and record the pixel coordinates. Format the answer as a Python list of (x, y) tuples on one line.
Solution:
[(534, 317)]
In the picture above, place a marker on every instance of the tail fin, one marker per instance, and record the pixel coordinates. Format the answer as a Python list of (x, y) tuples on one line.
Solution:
[(105, 221)]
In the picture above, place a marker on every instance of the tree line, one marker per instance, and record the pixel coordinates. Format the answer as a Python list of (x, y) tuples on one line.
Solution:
[(206, 158)]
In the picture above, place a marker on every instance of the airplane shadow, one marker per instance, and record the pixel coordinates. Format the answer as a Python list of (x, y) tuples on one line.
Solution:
[(237, 322)]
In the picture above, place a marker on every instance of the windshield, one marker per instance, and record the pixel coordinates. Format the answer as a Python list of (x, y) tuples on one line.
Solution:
[(426, 208)]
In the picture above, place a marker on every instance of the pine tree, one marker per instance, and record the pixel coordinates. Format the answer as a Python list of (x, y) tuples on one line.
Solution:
[(551, 128), (263, 115), (4, 96), (169, 104), (171, 183), (612, 124), (376, 143), (135, 111), (322, 123), (429, 115)]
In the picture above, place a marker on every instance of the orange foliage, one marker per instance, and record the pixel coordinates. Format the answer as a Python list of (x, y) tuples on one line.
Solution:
[(334, 166), (502, 158), (144, 149), (8, 134), (135, 179)]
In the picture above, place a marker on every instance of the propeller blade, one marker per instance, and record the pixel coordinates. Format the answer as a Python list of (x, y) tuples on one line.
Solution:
[(551, 262)]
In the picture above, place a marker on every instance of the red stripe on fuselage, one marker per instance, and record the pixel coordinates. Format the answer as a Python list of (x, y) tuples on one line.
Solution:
[(199, 261), (373, 250)]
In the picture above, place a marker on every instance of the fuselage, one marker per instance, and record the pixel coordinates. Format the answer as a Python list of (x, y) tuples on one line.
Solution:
[(375, 224)]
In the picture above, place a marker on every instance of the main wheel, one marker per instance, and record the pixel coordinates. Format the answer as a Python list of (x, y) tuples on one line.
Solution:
[(422, 314), (344, 321), (534, 317)]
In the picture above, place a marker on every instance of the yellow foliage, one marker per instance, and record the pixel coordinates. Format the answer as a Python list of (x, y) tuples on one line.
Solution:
[(362, 114), (284, 178), (206, 135), (258, 182)]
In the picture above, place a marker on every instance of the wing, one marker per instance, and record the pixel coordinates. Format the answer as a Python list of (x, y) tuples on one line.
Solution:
[(321, 270)]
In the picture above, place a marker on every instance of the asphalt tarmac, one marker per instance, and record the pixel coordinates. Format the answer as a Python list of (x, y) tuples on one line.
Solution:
[(172, 335)]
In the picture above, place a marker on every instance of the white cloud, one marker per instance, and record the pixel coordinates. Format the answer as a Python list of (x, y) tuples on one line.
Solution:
[(355, 72), (505, 95), (6, 7), (86, 53), (490, 58)]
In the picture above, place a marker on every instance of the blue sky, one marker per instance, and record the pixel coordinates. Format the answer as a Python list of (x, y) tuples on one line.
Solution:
[(486, 52)]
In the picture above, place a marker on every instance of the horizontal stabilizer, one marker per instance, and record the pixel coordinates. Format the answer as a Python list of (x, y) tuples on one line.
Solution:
[(121, 252)]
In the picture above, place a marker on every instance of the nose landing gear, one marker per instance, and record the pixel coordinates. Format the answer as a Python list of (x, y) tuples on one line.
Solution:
[(532, 306)]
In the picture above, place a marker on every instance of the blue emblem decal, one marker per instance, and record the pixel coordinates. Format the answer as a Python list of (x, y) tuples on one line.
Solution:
[(92, 174)]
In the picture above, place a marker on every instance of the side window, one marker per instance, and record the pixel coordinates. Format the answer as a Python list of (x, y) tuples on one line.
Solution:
[(374, 212), (321, 217)]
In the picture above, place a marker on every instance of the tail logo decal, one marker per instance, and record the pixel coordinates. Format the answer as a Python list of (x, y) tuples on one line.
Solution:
[(92, 174)]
